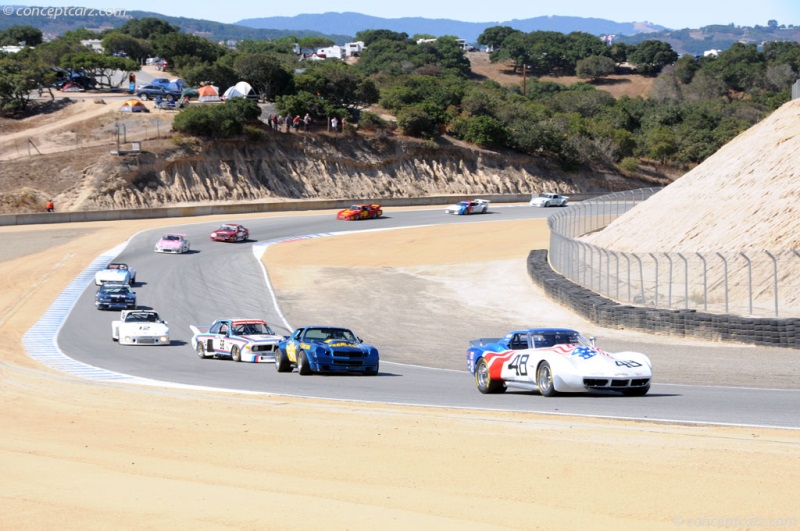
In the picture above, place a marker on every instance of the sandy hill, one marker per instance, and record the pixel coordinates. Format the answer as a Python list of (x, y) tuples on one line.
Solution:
[(744, 197)]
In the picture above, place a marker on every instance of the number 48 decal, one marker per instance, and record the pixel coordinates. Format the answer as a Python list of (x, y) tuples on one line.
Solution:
[(519, 364)]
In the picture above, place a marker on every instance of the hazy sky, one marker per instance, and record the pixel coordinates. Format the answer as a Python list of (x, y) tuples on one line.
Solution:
[(675, 14)]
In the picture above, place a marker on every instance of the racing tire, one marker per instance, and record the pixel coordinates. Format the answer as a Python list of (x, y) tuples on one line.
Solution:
[(282, 362), (201, 350), (484, 381), (636, 391), (547, 204), (236, 355), (143, 97), (544, 380), (371, 372), (303, 367)]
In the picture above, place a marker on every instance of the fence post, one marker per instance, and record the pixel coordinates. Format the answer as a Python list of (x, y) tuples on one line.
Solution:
[(685, 281), (669, 286), (774, 278), (641, 276), (749, 282), (705, 282), (653, 256), (725, 272)]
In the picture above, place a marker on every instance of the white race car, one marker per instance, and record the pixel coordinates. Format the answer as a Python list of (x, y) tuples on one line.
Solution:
[(555, 360), (469, 206), (548, 200), (140, 327), (116, 272)]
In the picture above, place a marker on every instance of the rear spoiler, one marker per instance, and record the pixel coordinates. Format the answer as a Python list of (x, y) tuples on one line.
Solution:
[(197, 329), (484, 341)]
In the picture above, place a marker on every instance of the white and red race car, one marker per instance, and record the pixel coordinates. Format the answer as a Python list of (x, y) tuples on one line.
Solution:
[(240, 339), (230, 233), (140, 327), (555, 360)]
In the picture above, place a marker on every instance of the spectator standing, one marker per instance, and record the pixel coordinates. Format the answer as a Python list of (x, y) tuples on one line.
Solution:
[(306, 121), (344, 123), (275, 121), (280, 122), (296, 122), (335, 125), (50, 206)]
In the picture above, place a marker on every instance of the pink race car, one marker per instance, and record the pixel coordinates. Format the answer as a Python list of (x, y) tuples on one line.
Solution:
[(173, 242)]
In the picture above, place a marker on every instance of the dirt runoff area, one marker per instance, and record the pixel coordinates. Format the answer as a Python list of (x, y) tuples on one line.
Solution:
[(76, 454)]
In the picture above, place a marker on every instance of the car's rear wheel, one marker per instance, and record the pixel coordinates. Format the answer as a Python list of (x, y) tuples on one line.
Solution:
[(302, 363), (636, 391), (143, 97), (201, 350), (282, 362), (544, 380), (236, 354), (484, 381)]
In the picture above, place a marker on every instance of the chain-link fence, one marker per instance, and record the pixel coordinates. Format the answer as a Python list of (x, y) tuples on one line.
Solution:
[(753, 283)]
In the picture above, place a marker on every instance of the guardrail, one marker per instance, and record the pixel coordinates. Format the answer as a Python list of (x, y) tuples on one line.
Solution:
[(753, 283), (249, 208)]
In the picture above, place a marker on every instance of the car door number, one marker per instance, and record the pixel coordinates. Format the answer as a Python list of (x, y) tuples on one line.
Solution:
[(519, 365), (628, 363)]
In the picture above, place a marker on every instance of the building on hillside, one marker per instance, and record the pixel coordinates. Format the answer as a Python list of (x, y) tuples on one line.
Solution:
[(354, 49), (332, 52), (93, 44)]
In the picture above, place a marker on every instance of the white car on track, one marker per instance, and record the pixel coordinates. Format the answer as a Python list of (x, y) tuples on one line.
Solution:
[(116, 272), (140, 327), (468, 206), (548, 200)]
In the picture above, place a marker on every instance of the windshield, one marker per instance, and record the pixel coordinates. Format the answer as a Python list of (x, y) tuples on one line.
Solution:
[(116, 289), (325, 334), (142, 317), (228, 227), (171, 237), (551, 339), (252, 329)]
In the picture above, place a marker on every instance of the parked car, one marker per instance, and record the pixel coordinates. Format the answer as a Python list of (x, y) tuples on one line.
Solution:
[(354, 212), (140, 327), (230, 232), (115, 296), (173, 242), (555, 360), (150, 91), (548, 200), (326, 349), (241, 339), (474, 206), (116, 272)]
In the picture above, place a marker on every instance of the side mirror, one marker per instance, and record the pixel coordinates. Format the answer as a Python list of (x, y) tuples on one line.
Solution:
[(593, 341)]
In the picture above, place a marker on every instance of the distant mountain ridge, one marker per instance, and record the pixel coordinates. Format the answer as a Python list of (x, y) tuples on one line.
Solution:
[(351, 23)]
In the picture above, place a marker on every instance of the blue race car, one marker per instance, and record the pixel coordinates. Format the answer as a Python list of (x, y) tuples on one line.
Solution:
[(326, 349), (115, 295)]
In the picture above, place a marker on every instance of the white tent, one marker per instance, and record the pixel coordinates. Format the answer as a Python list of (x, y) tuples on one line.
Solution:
[(246, 90), (232, 92)]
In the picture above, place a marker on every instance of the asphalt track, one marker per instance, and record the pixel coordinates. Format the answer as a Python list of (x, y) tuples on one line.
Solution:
[(226, 280)]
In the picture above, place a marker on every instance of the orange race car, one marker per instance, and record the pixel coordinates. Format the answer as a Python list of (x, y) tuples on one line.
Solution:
[(371, 211)]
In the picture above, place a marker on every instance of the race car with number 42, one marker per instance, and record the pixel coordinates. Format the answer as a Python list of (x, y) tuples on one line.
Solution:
[(240, 339), (555, 360)]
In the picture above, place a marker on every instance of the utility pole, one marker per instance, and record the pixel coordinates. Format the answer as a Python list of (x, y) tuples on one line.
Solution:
[(523, 77)]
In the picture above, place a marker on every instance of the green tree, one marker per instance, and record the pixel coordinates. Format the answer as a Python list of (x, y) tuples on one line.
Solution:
[(314, 42), (265, 73), (483, 131), (20, 74), (15, 35), (369, 37), (595, 66), (181, 49), (650, 57), (147, 28), (116, 41), (341, 85), (217, 121), (741, 67), (100, 66), (495, 36), (416, 121)]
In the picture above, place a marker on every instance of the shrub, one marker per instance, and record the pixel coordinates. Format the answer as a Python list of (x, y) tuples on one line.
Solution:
[(217, 121), (629, 164)]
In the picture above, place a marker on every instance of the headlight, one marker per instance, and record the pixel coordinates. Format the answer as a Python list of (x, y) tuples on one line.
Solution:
[(127, 339), (163, 339), (247, 347)]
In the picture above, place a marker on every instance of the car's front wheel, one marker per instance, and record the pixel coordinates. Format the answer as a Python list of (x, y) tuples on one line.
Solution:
[(236, 354), (302, 364), (143, 97), (544, 380), (282, 362), (372, 372), (201, 350), (484, 380)]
